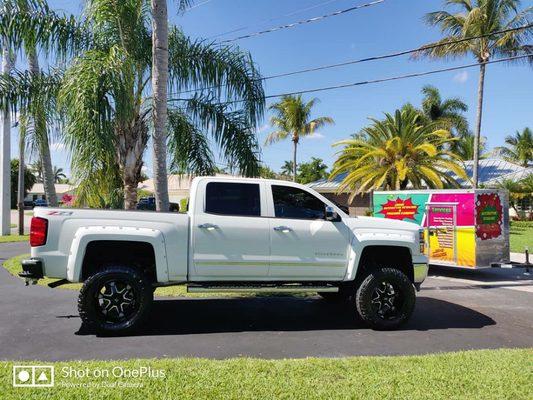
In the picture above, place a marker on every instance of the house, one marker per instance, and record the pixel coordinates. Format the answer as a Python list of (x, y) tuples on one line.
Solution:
[(491, 172), (178, 186), (37, 191)]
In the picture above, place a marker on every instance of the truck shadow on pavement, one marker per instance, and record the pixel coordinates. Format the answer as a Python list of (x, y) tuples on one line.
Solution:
[(200, 316)]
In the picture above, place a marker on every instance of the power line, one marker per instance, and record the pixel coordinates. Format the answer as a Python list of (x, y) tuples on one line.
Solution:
[(242, 28), (373, 58), (198, 5), (381, 80), (306, 21), (394, 78)]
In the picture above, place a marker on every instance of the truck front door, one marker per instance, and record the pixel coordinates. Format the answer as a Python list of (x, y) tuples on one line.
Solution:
[(230, 237), (304, 245)]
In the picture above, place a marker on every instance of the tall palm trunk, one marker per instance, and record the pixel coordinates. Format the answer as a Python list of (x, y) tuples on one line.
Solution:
[(477, 136), (5, 156), (39, 121), (294, 167), (159, 110), (20, 183)]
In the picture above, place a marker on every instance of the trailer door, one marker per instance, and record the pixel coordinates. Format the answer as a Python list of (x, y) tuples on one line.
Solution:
[(441, 223)]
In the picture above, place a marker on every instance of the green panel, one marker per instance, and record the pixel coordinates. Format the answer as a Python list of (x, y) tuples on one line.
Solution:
[(401, 206)]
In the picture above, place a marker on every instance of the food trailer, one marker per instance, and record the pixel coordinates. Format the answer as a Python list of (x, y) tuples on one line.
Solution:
[(464, 228)]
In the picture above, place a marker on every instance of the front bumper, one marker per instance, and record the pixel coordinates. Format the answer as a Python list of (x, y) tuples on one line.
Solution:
[(420, 272), (32, 270)]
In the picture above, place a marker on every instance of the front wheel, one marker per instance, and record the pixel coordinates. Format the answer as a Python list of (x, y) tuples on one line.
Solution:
[(385, 299), (115, 300)]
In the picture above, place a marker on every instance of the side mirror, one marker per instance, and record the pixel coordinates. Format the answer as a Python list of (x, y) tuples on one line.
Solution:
[(331, 215)]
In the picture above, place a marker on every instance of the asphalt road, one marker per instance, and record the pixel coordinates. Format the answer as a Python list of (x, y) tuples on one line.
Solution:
[(474, 311)]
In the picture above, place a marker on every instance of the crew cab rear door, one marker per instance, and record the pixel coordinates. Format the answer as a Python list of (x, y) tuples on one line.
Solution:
[(230, 236), (304, 245)]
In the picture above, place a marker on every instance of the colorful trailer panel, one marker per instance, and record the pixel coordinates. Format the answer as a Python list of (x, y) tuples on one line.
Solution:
[(463, 228)]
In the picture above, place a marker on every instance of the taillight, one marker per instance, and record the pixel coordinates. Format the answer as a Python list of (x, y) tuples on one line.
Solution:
[(38, 231)]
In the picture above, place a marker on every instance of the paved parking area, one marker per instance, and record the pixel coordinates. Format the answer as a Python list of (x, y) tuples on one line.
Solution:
[(469, 310)]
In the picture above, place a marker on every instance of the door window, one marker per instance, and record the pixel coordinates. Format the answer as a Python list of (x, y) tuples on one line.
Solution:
[(241, 199), (291, 202)]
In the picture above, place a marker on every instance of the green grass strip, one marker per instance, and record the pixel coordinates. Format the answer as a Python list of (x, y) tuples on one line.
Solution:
[(14, 238), (484, 374)]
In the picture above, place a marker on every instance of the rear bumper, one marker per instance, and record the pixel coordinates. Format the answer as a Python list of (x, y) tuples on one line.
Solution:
[(32, 269)]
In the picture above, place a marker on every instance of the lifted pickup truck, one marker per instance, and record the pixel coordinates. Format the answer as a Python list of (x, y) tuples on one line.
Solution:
[(238, 235)]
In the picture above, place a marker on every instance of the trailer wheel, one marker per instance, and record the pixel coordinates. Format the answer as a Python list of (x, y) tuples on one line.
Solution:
[(385, 299), (115, 300)]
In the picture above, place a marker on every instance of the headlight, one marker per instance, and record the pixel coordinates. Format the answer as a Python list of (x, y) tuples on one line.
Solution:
[(421, 241)]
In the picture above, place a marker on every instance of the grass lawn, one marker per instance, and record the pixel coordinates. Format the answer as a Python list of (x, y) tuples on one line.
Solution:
[(483, 374), (14, 267), (521, 236), (14, 238), (12, 225)]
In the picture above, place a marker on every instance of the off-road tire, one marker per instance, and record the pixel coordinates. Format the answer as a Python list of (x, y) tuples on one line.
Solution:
[(92, 314), (367, 307)]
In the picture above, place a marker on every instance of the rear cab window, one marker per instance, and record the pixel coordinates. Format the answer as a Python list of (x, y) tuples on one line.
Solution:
[(237, 199)]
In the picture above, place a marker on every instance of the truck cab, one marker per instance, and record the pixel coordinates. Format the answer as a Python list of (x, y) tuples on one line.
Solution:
[(239, 234)]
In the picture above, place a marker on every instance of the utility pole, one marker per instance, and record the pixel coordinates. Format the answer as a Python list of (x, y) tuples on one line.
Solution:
[(5, 154)]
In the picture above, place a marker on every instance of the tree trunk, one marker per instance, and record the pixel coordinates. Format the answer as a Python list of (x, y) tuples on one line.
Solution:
[(5, 157), (294, 167), (477, 136), (20, 183), (131, 144), (41, 132), (159, 109)]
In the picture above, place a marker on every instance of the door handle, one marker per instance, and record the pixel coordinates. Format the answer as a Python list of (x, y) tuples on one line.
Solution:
[(284, 229), (208, 226)]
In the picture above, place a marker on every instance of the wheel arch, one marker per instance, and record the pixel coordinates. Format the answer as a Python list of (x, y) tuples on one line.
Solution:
[(379, 255), (94, 246)]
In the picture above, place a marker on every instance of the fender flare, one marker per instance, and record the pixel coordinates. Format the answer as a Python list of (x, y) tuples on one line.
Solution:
[(86, 235), (357, 248)]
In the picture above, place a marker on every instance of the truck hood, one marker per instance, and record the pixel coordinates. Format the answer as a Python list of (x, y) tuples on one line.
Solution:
[(366, 223)]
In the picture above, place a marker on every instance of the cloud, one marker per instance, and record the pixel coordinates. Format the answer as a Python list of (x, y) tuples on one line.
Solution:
[(461, 77), (315, 136), (57, 146)]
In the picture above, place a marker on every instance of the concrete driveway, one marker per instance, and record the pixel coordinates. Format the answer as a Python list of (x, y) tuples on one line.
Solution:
[(491, 309)]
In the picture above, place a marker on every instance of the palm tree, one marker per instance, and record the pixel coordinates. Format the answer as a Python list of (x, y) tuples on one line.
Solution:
[(5, 148), (287, 168), (104, 96), (481, 17), (36, 167), (520, 147), (448, 112), (292, 119), (463, 146), (30, 25), (159, 109), (392, 153), (59, 175)]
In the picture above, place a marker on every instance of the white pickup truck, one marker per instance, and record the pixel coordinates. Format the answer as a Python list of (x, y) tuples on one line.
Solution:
[(238, 235)]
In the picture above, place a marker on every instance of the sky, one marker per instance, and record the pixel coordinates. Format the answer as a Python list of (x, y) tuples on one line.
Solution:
[(391, 26)]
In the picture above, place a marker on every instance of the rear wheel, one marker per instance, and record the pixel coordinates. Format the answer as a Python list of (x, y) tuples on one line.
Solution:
[(115, 300), (385, 299)]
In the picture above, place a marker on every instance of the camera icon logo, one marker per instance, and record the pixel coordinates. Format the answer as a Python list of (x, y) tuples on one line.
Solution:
[(33, 376)]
